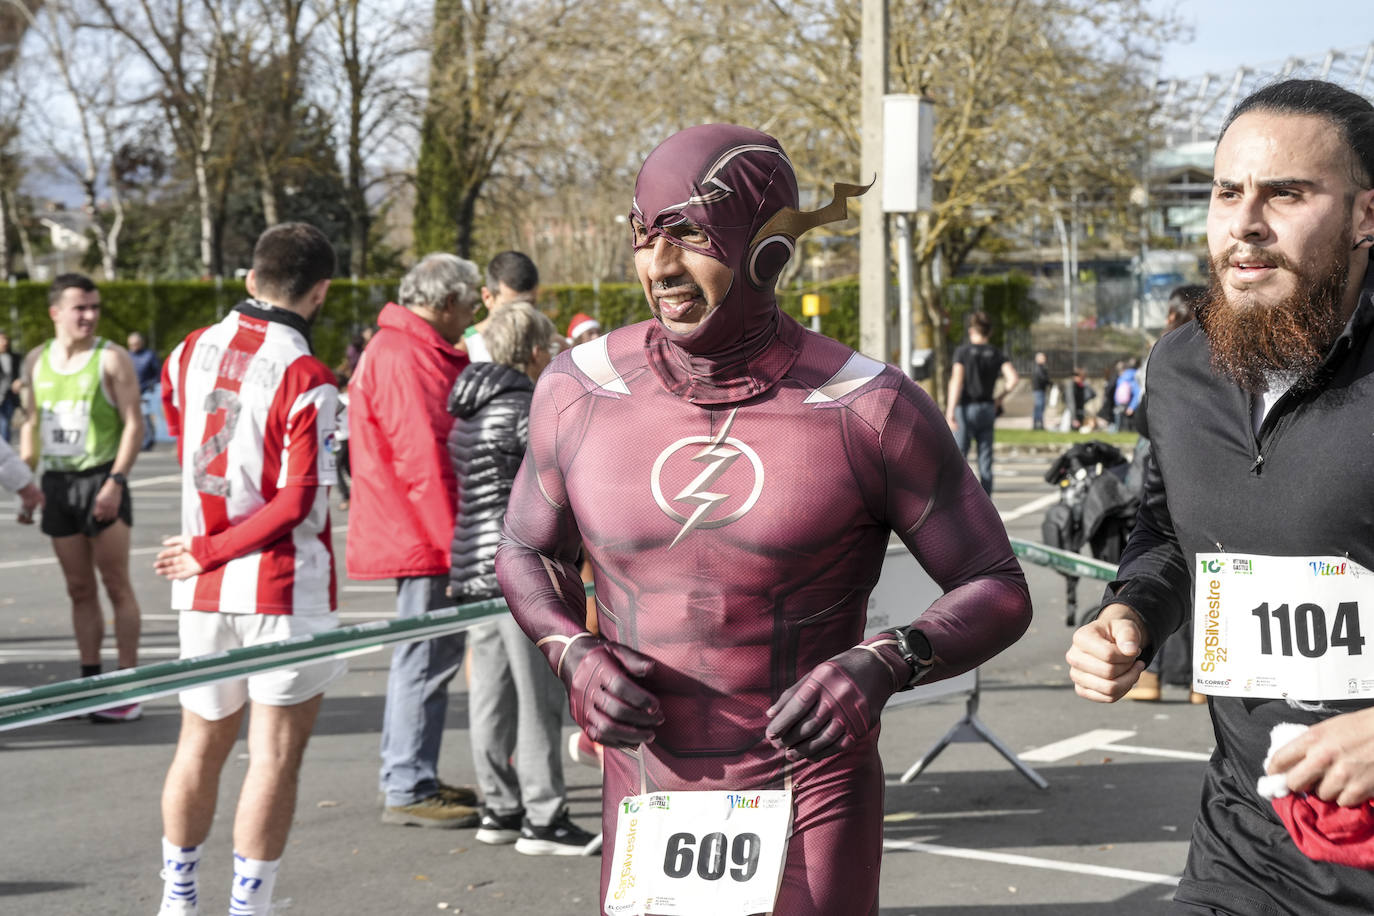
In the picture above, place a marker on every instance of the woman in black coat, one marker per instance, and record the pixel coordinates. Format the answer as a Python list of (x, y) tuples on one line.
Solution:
[(515, 703)]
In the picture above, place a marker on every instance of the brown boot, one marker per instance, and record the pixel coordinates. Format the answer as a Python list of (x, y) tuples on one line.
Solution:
[(1146, 689)]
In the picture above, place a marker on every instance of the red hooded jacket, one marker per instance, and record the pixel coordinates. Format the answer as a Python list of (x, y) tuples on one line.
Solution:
[(404, 492)]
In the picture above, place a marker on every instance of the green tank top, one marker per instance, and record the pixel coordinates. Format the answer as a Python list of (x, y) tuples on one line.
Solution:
[(78, 425)]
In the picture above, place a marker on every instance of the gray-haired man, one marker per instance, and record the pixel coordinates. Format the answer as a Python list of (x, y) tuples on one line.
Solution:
[(401, 519)]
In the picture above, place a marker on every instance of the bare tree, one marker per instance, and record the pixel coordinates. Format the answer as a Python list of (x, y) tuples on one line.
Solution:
[(368, 48), (85, 68), (183, 43)]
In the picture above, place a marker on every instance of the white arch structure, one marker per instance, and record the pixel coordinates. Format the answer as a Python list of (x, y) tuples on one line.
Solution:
[(1192, 108)]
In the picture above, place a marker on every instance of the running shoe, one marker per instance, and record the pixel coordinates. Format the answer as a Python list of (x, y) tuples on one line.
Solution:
[(560, 838), (435, 811), (499, 829), (178, 897), (584, 750), (130, 713)]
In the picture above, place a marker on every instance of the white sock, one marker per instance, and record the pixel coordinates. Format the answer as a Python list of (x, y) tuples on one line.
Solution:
[(251, 892), (180, 865)]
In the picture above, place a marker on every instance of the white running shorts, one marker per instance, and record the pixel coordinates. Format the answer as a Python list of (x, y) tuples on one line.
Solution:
[(204, 632)]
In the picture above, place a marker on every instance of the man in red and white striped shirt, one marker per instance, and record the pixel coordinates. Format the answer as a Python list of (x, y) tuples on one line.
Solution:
[(253, 412)]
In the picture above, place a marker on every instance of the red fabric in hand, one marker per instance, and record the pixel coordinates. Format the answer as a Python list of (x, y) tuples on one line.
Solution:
[(1326, 832)]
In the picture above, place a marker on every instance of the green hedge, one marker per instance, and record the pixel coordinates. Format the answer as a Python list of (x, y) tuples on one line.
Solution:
[(165, 312), (1005, 297)]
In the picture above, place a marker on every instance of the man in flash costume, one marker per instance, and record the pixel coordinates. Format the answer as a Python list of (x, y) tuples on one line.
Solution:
[(735, 479)]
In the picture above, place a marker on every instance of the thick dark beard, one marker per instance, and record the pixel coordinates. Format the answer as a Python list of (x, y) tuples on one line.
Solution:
[(1292, 336)]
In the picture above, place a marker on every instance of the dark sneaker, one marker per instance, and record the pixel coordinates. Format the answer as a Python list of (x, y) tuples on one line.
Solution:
[(130, 713), (499, 829), (434, 811), (560, 838), (458, 795)]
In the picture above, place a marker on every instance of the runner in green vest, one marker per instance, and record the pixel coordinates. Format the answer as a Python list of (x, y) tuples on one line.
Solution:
[(83, 427)]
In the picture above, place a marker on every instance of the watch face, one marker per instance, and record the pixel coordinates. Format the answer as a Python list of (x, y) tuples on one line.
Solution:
[(919, 646)]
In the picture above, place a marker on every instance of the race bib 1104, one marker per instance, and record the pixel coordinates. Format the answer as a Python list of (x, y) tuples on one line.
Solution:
[(1275, 627), (688, 853)]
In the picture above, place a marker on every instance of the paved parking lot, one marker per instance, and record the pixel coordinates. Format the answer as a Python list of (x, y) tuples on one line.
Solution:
[(970, 836)]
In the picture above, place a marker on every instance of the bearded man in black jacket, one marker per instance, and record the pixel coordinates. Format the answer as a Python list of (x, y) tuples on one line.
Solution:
[(1261, 418)]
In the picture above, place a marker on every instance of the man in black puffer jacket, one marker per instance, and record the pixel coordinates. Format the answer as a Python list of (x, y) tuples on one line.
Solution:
[(515, 702)]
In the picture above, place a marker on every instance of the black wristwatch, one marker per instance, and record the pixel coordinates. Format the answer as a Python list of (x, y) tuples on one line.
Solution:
[(915, 649), (121, 480)]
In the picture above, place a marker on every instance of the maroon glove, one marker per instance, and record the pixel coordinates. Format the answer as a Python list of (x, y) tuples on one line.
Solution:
[(837, 705), (605, 700)]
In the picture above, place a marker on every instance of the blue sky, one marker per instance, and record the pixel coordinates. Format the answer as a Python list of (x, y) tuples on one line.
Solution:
[(1230, 33)]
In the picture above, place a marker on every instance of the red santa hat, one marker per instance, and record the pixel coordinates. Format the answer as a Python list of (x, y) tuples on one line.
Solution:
[(580, 324)]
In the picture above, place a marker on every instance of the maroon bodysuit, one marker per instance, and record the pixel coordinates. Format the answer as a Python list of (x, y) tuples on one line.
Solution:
[(736, 511)]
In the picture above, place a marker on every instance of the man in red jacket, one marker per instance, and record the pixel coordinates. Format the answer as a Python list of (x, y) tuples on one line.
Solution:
[(401, 520)]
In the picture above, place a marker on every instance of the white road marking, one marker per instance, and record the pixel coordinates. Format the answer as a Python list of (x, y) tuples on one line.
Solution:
[(1003, 858), (1035, 505), (1087, 741), (57, 654), (899, 816), (154, 481), (1104, 739), (1155, 752)]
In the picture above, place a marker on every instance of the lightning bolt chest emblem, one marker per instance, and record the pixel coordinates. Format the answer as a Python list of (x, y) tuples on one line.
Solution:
[(701, 497)]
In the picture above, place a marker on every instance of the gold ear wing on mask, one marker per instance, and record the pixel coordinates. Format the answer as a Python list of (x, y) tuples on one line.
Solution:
[(792, 223)]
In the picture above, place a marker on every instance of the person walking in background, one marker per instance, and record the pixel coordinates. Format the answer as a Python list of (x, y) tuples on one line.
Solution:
[(401, 521), (1077, 394), (973, 402), (83, 426), (1040, 389), (511, 277), (515, 703), (149, 372), (1127, 394), (1104, 416), (11, 383), (253, 414)]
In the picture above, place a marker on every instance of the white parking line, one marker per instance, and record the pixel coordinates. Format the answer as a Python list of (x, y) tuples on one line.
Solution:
[(59, 654), (1155, 752), (1087, 741), (1004, 858), (1104, 739), (154, 481), (1035, 505)]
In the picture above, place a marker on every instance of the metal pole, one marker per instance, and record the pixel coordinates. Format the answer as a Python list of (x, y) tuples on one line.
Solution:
[(904, 291), (873, 242)]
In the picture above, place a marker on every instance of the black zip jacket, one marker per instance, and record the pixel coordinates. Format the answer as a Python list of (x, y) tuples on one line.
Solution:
[(1302, 486), (487, 443)]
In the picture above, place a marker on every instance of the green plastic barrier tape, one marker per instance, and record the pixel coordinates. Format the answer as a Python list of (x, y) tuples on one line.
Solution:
[(1074, 564), (146, 682)]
